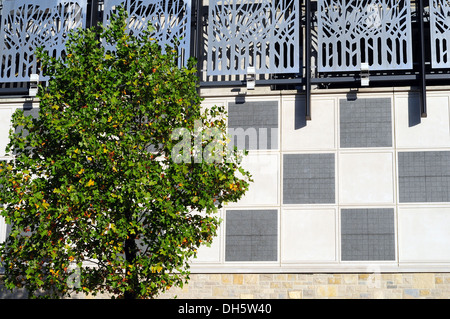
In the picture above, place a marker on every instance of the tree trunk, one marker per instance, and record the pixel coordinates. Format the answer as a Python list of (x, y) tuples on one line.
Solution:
[(130, 256)]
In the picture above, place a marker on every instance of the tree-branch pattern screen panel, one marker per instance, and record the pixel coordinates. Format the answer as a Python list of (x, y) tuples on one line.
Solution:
[(377, 32), (440, 33), (28, 24), (256, 33), (171, 20)]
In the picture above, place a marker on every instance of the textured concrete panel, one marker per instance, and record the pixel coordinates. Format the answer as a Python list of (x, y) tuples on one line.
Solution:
[(424, 234), (265, 171), (308, 235), (424, 176), (5, 126), (254, 125), (365, 123), (299, 135), (412, 131), (366, 178), (308, 178), (367, 234), (251, 235), (211, 253), (3, 231)]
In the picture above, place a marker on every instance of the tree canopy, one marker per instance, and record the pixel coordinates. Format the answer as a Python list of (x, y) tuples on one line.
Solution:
[(102, 192)]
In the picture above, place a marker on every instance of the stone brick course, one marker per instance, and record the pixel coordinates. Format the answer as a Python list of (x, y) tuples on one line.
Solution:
[(300, 286)]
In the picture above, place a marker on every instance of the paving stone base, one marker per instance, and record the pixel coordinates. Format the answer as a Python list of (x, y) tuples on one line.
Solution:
[(315, 286)]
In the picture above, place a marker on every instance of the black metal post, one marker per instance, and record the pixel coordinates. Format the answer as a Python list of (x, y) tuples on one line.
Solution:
[(422, 84), (197, 37), (308, 59), (93, 19)]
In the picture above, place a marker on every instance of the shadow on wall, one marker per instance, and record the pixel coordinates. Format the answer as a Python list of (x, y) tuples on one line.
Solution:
[(240, 99), (30, 109), (299, 113), (414, 113), (16, 294)]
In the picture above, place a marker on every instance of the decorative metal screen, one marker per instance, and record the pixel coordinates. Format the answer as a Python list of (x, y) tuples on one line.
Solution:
[(262, 34), (377, 32), (170, 19), (28, 24), (440, 33)]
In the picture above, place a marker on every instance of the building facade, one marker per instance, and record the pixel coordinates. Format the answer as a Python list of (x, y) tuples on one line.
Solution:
[(344, 107)]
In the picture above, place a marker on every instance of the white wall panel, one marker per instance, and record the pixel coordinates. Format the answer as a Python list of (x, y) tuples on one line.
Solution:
[(366, 178), (299, 135), (5, 126), (415, 132), (264, 169), (424, 234), (308, 235)]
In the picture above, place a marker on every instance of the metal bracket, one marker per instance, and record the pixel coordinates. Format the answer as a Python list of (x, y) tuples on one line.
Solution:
[(364, 74), (34, 81), (250, 78)]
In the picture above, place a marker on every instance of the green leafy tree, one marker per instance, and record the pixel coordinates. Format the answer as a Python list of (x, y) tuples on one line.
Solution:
[(102, 196)]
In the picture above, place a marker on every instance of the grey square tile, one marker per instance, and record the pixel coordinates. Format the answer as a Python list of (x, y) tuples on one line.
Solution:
[(365, 123), (308, 178), (367, 234), (251, 235), (253, 125), (424, 176)]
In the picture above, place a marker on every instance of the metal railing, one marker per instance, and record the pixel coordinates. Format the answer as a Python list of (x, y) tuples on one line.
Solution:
[(284, 43)]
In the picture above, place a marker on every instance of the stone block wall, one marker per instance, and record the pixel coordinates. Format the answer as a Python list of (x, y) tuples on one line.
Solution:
[(315, 286)]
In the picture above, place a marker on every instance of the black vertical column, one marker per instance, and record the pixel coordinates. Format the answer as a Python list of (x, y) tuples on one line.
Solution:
[(422, 71), (93, 14), (197, 35), (308, 58)]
